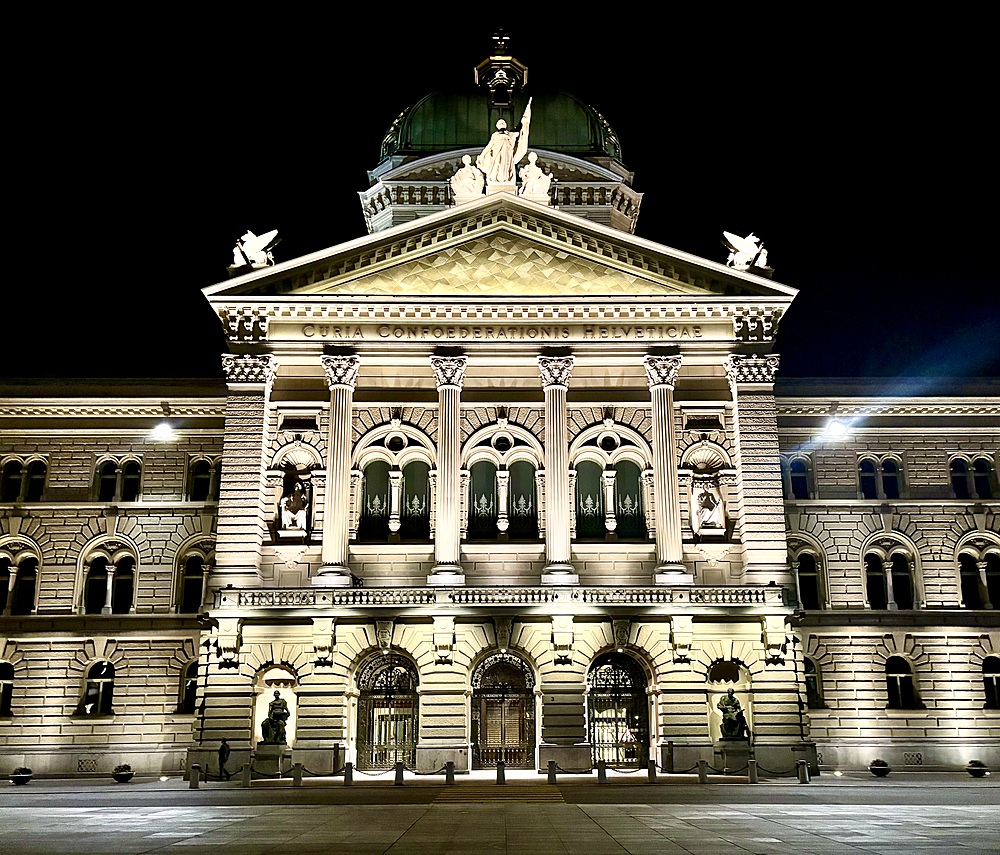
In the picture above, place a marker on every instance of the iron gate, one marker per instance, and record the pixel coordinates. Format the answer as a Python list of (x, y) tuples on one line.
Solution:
[(388, 710), (619, 711), (503, 713)]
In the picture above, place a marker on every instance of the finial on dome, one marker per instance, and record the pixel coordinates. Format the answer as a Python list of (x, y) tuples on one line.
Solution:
[(501, 73)]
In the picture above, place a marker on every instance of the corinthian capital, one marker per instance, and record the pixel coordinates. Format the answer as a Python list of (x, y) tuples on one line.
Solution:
[(341, 370), (249, 369), (449, 370), (661, 370), (751, 369), (555, 370)]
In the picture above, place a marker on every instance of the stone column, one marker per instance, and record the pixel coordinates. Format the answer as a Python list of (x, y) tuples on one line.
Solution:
[(341, 376), (610, 515), (661, 374), (984, 588), (761, 513), (503, 489), (243, 499), (395, 501), (11, 582), (890, 594), (449, 373), (555, 372), (109, 590)]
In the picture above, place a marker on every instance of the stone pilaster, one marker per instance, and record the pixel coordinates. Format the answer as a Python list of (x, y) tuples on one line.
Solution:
[(661, 374), (449, 373), (342, 377), (555, 372), (761, 522), (242, 499)]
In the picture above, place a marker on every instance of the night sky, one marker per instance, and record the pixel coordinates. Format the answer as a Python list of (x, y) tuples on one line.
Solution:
[(861, 153)]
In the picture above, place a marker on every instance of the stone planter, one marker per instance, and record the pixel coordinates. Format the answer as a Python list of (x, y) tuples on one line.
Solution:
[(122, 777), (879, 771)]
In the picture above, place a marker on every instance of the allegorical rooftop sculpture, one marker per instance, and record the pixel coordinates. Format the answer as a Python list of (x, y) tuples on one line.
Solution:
[(504, 150), (745, 252), (254, 251)]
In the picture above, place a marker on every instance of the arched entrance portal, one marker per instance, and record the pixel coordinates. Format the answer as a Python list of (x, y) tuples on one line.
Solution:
[(387, 712), (619, 711), (503, 713)]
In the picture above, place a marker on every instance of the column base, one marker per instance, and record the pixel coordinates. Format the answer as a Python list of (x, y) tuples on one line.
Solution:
[(672, 574), (558, 573), (446, 576), (334, 577)]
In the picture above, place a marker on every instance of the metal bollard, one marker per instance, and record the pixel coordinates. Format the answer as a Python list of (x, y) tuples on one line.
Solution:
[(752, 771), (602, 772), (246, 775), (399, 775), (296, 774), (803, 771), (651, 771), (195, 777), (348, 774), (668, 762), (702, 772), (449, 772), (501, 772), (552, 771)]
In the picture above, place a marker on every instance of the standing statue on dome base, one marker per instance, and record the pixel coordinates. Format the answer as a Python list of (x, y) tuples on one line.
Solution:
[(535, 183), (502, 153)]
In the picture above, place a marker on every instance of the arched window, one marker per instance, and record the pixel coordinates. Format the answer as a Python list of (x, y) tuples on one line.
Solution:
[(899, 684), (95, 586), (521, 502), (98, 690), (200, 481), (123, 587), (118, 482), (10, 484), (589, 501), (20, 483), (189, 690), (22, 601), (415, 515), (107, 481), (868, 478), (902, 582), (993, 578), (959, 469), (191, 585), (95, 592), (875, 581), (991, 682), (34, 488), (798, 478), (373, 526), (131, 475), (890, 479), (982, 478), (6, 688), (807, 571), (628, 502), (814, 688), (968, 572), (483, 504)]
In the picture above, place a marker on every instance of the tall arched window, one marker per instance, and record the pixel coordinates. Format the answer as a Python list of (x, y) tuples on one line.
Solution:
[(373, 526), (191, 585), (118, 482), (589, 501), (798, 477), (807, 572), (98, 690), (123, 587), (868, 478), (22, 601), (200, 481), (522, 502), (902, 582), (890, 479), (991, 682), (959, 469), (10, 483), (95, 592), (189, 690), (814, 688), (993, 578), (20, 483), (34, 488), (131, 476), (899, 684), (415, 515), (880, 478), (6, 688), (95, 586), (483, 502), (628, 502), (875, 582), (107, 481), (983, 480), (968, 572)]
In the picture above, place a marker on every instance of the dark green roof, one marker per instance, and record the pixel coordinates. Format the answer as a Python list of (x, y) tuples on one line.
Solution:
[(448, 120)]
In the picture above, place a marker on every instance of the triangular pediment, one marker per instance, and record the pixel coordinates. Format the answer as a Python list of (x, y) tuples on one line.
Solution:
[(501, 246)]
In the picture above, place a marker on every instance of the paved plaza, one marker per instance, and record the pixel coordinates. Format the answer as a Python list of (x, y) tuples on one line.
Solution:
[(945, 813)]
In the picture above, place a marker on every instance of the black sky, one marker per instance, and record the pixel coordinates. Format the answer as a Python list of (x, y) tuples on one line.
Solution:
[(860, 152)]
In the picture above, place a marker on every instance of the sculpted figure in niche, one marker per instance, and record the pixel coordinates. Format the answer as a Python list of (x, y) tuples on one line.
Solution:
[(272, 729), (707, 510), (534, 182), (468, 181), (295, 506), (504, 150), (734, 723)]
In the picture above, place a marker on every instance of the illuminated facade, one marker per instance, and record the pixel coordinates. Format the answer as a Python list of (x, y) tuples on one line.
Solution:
[(499, 481)]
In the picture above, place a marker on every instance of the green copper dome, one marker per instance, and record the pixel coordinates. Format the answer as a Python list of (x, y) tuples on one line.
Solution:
[(449, 120)]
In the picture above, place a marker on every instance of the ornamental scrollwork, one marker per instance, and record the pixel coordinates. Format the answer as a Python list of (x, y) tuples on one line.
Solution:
[(449, 370), (555, 370), (249, 369), (341, 370), (742, 368), (662, 370)]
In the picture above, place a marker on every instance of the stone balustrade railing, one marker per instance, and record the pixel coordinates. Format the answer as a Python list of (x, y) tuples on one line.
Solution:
[(737, 596)]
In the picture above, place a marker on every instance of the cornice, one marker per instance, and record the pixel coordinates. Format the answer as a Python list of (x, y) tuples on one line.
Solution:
[(891, 407), (68, 409)]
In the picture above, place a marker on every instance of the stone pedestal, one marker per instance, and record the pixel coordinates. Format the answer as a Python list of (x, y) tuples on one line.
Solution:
[(271, 759), (571, 758), (431, 757), (670, 577), (731, 755)]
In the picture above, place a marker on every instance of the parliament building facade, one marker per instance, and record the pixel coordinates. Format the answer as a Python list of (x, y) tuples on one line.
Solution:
[(499, 481)]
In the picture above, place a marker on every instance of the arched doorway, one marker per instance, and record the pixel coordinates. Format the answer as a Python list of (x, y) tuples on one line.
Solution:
[(503, 713), (387, 712), (618, 711)]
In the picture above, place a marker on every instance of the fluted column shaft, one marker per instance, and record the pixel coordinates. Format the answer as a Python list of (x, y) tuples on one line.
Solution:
[(449, 373), (661, 374), (342, 376), (555, 373)]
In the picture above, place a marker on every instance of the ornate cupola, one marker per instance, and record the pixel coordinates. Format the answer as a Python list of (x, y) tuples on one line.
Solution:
[(571, 143)]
